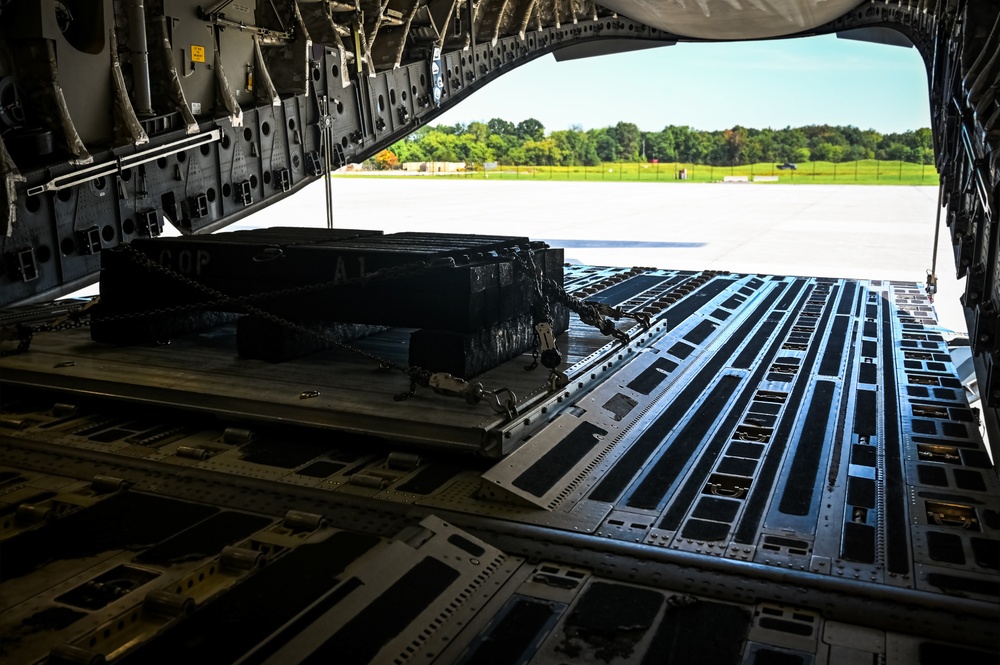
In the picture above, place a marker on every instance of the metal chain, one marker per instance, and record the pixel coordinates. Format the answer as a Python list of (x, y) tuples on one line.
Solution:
[(594, 314), (591, 313), (23, 337), (78, 318)]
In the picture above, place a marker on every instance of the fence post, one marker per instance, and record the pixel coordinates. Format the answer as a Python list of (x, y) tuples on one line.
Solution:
[(856, 162), (878, 169), (901, 170)]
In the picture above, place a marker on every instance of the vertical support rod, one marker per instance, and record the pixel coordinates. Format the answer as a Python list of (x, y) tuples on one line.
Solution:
[(472, 31), (932, 275), (140, 57), (326, 145)]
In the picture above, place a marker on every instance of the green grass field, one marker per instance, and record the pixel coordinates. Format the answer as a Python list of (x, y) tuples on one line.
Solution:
[(866, 172)]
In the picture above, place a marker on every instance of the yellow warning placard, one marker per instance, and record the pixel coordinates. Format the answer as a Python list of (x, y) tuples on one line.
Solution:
[(197, 53)]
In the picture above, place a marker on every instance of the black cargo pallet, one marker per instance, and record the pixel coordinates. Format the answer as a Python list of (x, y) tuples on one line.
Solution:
[(466, 294)]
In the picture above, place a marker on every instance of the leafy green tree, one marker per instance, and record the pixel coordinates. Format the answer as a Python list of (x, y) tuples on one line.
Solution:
[(605, 145), (526, 142), (823, 152), (500, 146), (542, 153), (855, 153), (440, 146), (517, 156), (660, 145), (409, 151), (629, 140), (576, 147), (501, 127), (766, 146), (479, 130), (894, 152), (735, 144), (471, 149), (923, 155), (530, 129), (690, 147), (870, 140), (922, 138)]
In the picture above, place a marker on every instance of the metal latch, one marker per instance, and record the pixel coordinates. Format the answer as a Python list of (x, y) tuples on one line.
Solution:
[(90, 240), (282, 180), (150, 224)]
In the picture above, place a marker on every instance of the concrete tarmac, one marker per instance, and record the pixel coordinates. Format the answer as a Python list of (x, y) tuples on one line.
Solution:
[(868, 232)]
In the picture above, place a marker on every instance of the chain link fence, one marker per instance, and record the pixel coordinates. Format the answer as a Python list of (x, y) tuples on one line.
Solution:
[(869, 171)]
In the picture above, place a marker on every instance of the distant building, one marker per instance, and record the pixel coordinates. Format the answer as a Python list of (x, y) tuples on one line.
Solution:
[(434, 167)]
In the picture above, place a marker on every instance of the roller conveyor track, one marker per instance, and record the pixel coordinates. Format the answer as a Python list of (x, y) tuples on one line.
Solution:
[(783, 470)]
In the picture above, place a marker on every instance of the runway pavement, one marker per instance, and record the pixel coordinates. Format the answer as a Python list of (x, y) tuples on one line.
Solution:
[(814, 230)]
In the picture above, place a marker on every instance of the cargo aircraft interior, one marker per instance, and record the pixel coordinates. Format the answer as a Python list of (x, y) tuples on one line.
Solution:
[(321, 445)]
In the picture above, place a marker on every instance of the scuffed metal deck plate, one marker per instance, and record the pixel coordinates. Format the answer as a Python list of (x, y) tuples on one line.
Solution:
[(796, 423), (787, 463)]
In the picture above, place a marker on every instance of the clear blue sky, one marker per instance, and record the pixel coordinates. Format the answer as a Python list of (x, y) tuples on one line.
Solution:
[(811, 81)]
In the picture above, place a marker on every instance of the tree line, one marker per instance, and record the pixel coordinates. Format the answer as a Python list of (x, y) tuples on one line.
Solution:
[(528, 143)]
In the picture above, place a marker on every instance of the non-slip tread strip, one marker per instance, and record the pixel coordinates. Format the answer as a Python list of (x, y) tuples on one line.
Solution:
[(746, 532), (797, 497), (620, 475), (896, 526), (696, 479)]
